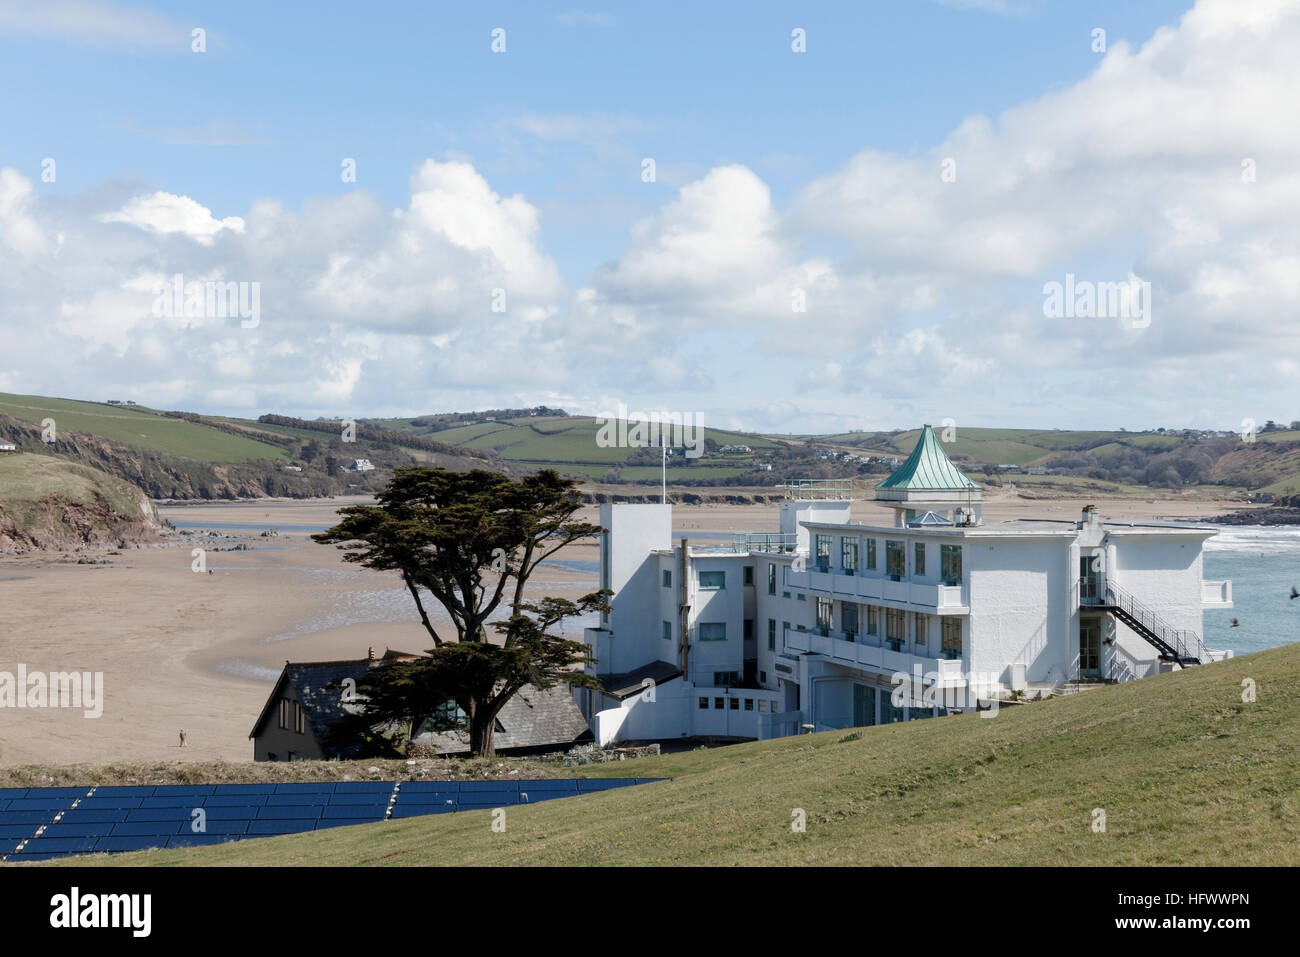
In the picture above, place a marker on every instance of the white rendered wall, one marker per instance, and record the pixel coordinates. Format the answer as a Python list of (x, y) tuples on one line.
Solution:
[(632, 533)]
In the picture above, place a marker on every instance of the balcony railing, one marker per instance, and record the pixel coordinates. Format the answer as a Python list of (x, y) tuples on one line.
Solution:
[(819, 490), (783, 543)]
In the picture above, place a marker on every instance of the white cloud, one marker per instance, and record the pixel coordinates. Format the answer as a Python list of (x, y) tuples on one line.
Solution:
[(165, 213), (93, 23)]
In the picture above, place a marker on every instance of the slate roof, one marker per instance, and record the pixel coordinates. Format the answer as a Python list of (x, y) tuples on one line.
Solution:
[(531, 719), (625, 685), (320, 689), (928, 469)]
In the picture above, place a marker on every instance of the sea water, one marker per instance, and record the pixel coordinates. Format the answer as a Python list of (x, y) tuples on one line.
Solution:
[(1263, 563)]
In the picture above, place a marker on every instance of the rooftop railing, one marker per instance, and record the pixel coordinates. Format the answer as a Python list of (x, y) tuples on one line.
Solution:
[(779, 542), (819, 490)]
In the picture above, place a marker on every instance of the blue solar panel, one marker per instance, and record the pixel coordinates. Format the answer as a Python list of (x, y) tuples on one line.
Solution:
[(370, 812), (83, 829), (133, 828), (184, 790), (116, 843), (59, 845), (99, 803), (159, 814), (57, 792), (101, 815), (279, 827), (288, 813), (246, 813), (420, 810), (179, 800), (40, 804), (26, 817), (134, 818), (235, 800), (549, 785), (488, 786)]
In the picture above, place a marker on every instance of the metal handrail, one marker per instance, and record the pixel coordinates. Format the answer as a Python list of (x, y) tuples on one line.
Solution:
[(1186, 643)]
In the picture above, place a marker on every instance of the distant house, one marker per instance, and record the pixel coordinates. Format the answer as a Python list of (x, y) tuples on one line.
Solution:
[(361, 465), (1012, 469), (7, 446), (293, 468), (1036, 470), (735, 450), (307, 705)]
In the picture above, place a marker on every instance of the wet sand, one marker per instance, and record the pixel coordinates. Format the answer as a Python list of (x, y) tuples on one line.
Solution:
[(198, 651)]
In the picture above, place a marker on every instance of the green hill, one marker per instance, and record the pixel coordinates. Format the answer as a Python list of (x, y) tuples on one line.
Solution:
[(140, 427), (1185, 771)]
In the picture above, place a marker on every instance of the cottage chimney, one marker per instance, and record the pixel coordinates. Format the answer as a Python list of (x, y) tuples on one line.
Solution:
[(371, 653)]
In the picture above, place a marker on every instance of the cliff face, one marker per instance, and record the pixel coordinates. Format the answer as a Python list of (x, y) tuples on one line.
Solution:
[(49, 503)]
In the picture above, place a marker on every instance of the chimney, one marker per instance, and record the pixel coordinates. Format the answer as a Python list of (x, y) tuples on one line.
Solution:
[(1090, 516), (370, 655)]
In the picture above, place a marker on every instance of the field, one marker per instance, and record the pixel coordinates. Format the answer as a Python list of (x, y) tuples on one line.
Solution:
[(1184, 771), (139, 426)]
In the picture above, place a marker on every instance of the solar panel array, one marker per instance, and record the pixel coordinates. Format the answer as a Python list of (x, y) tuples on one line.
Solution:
[(37, 824)]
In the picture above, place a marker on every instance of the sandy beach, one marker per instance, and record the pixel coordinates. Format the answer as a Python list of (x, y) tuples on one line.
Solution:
[(180, 649)]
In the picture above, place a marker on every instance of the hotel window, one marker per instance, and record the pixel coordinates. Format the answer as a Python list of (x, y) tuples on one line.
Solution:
[(849, 555), (872, 627), (889, 712), (713, 581), (951, 637), (668, 579), (668, 631), (824, 615), (771, 578), (704, 704), (298, 717), (823, 553), (950, 564), (871, 554), (284, 713), (749, 704), (849, 620), (785, 594), (920, 559), (922, 627), (725, 679), (735, 704), (749, 575), (895, 561), (717, 704), (713, 631), (785, 627), (894, 629), (762, 704), (801, 597), (771, 634)]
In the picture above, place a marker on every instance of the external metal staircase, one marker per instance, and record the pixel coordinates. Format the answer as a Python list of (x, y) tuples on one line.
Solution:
[(1173, 644)]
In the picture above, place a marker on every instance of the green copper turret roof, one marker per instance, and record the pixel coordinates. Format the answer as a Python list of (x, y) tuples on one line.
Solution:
[(928, 468)]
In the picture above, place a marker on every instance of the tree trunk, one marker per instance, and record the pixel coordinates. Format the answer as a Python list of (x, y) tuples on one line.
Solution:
[(481, 728)]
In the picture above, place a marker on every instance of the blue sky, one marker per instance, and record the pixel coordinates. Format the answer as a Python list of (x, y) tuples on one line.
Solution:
[(562, 120)]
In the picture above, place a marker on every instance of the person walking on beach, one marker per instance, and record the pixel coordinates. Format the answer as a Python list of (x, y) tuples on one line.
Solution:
[(182, 744)]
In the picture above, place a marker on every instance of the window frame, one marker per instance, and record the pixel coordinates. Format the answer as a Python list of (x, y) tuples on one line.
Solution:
[(700, 634), (722, 577)]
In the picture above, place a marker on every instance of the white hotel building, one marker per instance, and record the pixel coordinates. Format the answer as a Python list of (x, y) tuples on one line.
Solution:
[(775, 632)]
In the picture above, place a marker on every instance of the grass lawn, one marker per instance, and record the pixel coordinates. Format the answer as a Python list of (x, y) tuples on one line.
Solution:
[(1185, 772), (138, 426)]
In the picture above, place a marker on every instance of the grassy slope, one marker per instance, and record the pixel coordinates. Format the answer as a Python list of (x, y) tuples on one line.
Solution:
[(1186, 773), (136, 425), (27, 478)]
